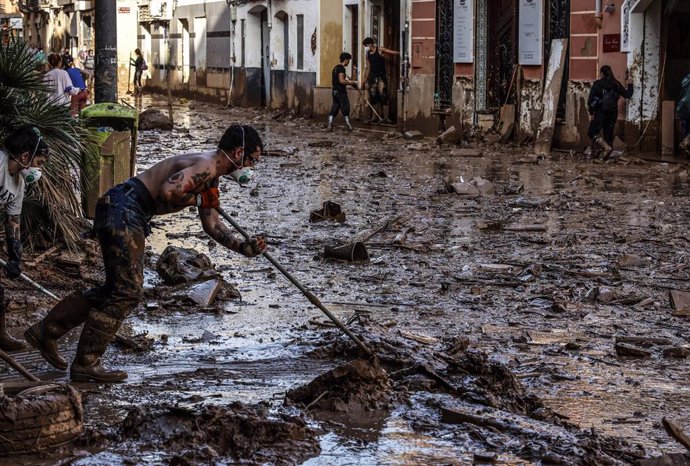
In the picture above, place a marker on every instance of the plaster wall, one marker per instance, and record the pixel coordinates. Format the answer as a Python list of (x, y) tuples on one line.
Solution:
[(215, 52)]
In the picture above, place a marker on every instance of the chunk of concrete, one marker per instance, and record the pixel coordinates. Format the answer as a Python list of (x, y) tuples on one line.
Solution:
[(154, 119), (205, 292), (180, 265), (680, 300)]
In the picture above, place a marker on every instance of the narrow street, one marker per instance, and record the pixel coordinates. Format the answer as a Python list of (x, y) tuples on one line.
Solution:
[(545, 272)]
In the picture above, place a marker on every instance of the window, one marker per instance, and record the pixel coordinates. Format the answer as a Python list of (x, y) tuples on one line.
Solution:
[(300, 42)]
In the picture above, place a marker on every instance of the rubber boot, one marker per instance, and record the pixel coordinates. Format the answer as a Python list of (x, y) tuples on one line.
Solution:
[(7, 341), (69, 313), (347, 123), (605, 147), (99, 330), (330, 123)]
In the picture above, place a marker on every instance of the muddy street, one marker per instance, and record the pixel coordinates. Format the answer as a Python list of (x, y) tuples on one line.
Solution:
[(559, 270)]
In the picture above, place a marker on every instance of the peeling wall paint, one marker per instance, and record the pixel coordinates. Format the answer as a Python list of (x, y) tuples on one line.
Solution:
[(530, 108)]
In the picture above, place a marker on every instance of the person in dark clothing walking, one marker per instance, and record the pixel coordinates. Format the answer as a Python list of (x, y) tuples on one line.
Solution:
[(603, 108), (375, 79), (341, 102), (139, 67)]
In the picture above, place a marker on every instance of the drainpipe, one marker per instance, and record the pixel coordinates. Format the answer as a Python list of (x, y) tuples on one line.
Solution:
[(597, 13), (405, 69), (232, 4)]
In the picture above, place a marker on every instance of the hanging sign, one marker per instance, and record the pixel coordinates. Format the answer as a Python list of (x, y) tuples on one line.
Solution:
[(612, 43), (530, 32), (463, 31)]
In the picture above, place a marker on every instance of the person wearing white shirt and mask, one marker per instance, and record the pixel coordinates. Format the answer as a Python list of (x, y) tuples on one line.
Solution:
[(21, 158)]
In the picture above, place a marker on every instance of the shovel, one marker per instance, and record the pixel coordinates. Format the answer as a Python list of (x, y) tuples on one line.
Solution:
[(310, 296), (361, 94)]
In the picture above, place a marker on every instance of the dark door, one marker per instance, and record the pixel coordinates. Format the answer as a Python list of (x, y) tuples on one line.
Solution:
[(443, 91)]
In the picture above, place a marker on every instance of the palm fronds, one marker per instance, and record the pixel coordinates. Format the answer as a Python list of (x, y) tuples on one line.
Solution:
[(52, 209)]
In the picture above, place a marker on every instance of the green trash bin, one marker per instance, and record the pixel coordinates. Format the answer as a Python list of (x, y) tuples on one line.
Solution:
[(110, 157)]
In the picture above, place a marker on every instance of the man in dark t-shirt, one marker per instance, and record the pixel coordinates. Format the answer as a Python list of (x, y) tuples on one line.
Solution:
[(375, 78), (340, 100)]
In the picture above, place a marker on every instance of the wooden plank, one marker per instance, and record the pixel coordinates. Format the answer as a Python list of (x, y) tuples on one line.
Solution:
[(552, 92)]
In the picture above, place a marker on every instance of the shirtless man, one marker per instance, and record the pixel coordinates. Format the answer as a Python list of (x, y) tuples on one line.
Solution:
[(375, 82), (122, 224)]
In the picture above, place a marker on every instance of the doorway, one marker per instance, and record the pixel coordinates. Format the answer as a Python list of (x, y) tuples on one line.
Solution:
[(501, 53), (385, 29)]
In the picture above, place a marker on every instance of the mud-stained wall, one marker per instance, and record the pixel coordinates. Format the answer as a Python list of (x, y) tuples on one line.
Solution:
[(572, 133), (530, 109), (419, 103), (330, 39), (463, 100), (211, 67)]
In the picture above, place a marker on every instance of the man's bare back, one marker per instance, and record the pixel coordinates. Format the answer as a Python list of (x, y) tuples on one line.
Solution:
[(174, 182)]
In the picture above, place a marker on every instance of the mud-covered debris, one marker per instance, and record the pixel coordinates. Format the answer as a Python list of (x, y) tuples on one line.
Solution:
[(154, 119), (680, 300), (180, 265), (353, 387), (280, 151), (475, 187), (236, 431), (324, 143), (626, 349), (329, 211), (466, 152), (353, 252), (678, 352), (204, 292), (139, 343), (632, 260), (413, 135), (450, 136), (670, 459)]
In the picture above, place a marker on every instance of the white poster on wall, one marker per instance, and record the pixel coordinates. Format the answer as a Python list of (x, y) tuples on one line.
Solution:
[(463, 31), (625, 26), (530, 32)]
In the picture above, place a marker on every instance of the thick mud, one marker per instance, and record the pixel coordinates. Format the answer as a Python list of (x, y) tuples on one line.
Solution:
[(541, 272)]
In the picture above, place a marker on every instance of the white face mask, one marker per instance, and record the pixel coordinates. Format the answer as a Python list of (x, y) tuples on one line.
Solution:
[(242, 175), (30, 174)]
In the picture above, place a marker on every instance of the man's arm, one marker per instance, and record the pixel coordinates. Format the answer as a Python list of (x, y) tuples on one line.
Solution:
[(182, 189), (388, 51), (14, 245), (210, 221), (343, 80)]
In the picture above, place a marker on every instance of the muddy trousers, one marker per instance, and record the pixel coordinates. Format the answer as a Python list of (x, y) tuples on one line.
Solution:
[(603, 121), (341, 103), (121, 224)]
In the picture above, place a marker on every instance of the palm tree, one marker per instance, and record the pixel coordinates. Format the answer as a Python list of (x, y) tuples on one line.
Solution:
[(52, 210)]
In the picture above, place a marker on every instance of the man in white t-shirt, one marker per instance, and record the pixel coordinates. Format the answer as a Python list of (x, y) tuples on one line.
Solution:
[(23, 154)]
